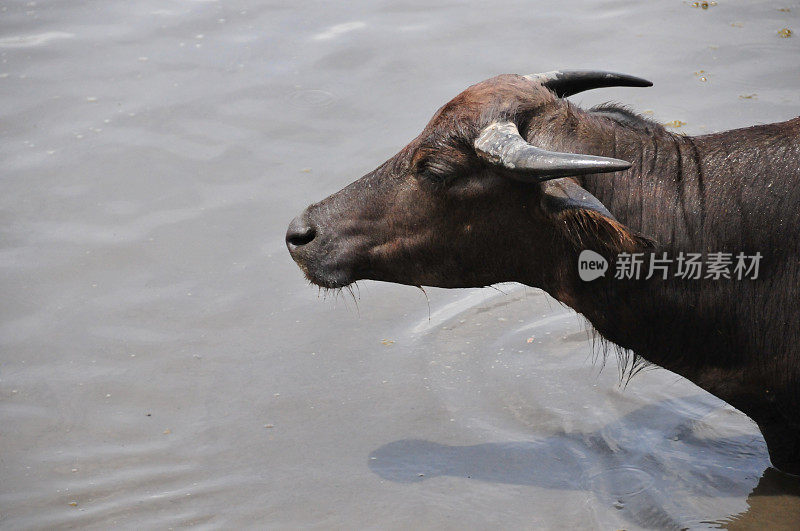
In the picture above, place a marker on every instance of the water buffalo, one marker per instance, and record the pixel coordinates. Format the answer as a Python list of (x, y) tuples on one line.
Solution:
[(509, 181)]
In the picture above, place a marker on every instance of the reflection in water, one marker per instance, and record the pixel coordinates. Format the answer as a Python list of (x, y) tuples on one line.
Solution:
[(650, 486)]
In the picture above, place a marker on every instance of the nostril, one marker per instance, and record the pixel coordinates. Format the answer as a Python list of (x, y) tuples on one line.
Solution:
[(301, 238), (299, 233)]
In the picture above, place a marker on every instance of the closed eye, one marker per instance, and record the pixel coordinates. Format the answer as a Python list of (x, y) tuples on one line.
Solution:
[(434, 170)]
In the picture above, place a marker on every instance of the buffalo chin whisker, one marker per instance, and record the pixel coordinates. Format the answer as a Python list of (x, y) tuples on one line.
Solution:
[(325, 292), (349, 288), (426, 300), (497, 289)]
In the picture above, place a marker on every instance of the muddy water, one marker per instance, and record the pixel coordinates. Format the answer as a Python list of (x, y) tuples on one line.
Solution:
[(164, 364)]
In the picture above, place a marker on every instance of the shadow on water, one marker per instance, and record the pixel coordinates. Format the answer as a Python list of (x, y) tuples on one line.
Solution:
[(650, 464)]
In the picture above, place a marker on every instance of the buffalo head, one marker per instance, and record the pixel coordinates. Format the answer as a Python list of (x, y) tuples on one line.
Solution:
[(485, 194)]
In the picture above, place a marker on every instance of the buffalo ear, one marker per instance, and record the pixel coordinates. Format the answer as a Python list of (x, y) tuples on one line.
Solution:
[(563, 194), (587, 223)]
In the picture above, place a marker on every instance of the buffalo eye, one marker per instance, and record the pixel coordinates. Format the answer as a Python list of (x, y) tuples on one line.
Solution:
[(433, 170)]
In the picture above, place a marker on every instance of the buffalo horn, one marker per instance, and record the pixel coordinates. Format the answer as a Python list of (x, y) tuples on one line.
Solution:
[(500, 143), (571, 82)]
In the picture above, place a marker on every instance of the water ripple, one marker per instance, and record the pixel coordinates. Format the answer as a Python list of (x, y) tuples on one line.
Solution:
[(38, 39)]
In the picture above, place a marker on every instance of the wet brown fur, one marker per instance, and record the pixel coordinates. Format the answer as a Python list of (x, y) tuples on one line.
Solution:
[(436, 214)]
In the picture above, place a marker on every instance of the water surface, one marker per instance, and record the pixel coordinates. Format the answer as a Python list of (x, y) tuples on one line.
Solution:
[(162, 361)]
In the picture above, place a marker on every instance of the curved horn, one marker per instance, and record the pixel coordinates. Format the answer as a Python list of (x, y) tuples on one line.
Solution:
[(573, 81), (500, 143)]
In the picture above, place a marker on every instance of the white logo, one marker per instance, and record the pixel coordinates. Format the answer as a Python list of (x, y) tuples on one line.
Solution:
[(591, 265)]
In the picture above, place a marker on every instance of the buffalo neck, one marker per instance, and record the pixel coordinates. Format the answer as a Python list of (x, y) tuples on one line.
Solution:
[(706, 194)]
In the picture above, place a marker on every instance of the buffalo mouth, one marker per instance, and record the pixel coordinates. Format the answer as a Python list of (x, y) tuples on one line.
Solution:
[(326, 268), (329, 278)]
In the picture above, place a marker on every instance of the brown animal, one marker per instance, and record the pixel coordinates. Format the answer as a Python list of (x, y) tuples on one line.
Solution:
[(510, 182)]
